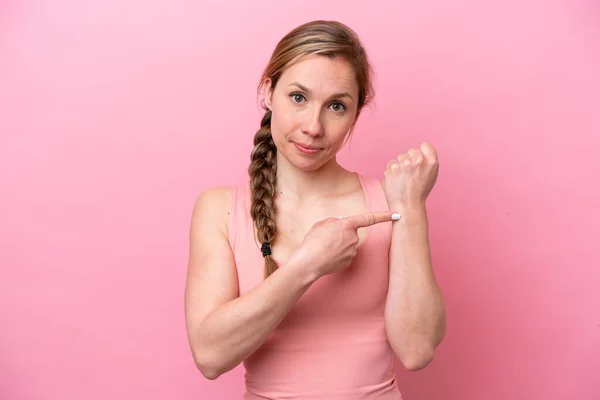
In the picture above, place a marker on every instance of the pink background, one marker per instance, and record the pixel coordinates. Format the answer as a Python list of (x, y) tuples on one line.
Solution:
[(115, 115)]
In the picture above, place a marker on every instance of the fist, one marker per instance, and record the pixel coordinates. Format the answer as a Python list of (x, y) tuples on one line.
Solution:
[(409, 178)]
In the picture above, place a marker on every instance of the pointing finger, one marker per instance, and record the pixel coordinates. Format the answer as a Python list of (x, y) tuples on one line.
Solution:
[(372, 218)]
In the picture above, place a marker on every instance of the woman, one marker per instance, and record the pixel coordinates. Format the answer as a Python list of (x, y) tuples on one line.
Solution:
[(306, 273)]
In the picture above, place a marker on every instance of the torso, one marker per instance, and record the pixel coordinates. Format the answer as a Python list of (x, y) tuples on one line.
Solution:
[(332, 343)]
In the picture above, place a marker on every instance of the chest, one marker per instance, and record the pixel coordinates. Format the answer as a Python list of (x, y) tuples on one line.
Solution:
[(358, 290), (295, 219)]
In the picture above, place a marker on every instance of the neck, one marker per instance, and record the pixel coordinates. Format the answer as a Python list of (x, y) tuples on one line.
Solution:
[(295, 183)]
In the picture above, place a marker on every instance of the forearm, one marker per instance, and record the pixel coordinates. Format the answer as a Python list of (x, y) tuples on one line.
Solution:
[(236, 329), (415, 313)]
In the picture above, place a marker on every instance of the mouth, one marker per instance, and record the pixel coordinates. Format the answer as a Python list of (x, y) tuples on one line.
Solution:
[(306, 148)]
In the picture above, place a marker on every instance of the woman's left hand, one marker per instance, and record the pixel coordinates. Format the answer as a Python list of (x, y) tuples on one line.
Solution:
[(410, 177)]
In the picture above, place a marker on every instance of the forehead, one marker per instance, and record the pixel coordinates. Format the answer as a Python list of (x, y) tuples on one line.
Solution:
[(321, 74)]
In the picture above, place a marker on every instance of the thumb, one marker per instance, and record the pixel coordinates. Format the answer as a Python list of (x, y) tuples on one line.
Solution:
[(372, 218)]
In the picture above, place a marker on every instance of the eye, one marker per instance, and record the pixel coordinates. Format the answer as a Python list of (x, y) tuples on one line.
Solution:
[(338, 107), (297, 98)]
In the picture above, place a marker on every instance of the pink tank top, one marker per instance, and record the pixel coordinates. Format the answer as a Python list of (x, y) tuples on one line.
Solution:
[(332, 344)]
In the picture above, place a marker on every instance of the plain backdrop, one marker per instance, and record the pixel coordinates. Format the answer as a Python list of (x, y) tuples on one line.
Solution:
[(115, 115)]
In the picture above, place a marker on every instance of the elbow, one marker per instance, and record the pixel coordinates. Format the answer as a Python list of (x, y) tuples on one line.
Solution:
[(417, 359), (416, 363), (210, 370)]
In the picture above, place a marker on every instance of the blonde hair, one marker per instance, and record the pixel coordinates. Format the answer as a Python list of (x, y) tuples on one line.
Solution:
[(325, 38)]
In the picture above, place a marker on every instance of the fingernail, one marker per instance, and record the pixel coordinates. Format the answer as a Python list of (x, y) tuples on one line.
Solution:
[(395, 217)]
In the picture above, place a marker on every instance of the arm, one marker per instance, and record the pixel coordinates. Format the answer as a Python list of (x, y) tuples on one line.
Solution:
[(415, 314), (223, 329)]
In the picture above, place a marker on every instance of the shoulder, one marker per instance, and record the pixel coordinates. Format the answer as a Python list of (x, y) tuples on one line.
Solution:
[(211, 207), (215, 194)]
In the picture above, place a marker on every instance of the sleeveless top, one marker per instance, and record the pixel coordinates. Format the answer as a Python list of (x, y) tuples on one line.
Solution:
[(332, 344)]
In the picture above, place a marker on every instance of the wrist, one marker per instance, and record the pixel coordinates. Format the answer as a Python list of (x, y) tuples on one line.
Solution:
[(407, 207), (410, 213), (306, 271)]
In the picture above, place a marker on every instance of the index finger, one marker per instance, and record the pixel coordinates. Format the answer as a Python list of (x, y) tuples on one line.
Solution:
[(372, 218)]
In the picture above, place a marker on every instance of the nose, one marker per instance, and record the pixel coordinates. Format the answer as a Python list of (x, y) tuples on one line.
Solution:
[(312, 125)]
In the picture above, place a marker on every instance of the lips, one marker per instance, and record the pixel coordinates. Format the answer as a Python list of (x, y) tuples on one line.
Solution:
[(307, 149)]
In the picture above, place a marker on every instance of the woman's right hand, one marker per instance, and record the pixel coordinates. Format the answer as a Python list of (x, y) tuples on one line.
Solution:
[(330, 245)]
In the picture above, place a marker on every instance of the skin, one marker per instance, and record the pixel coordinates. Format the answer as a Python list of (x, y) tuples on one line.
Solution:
[(314, 104)]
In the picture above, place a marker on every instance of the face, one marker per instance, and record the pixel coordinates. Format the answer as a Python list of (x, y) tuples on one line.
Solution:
[(313, 108)]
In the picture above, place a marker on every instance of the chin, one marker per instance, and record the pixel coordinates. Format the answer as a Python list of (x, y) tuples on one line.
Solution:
[(309, 167), (307, 164)]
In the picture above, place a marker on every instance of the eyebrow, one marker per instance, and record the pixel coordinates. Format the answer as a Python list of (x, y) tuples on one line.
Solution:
[(305, 89)]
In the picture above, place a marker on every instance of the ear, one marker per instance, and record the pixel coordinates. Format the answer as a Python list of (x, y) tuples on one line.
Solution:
[(268, 92)]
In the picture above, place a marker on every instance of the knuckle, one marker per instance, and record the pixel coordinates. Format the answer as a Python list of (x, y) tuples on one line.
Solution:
[(370, 219)]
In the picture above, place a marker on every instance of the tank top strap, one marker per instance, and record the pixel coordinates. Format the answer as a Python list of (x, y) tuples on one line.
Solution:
[(375, 196)]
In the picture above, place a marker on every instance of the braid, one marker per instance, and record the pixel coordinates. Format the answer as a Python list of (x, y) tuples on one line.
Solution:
[(263, 176)]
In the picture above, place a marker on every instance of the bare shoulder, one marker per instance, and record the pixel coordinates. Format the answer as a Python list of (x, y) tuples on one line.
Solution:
[(208, 227), (212, 207)]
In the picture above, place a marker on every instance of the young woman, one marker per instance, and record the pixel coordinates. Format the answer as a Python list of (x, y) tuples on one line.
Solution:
[(311, 275)]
